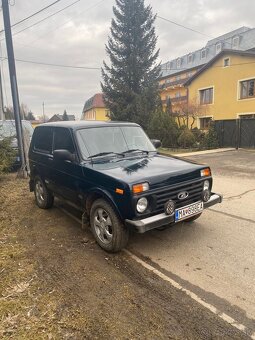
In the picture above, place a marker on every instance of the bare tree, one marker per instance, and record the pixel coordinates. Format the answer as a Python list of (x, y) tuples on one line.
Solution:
[(188, 112)]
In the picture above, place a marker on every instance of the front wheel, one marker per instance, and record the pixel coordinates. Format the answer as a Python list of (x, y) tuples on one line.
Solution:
[(109, 231)]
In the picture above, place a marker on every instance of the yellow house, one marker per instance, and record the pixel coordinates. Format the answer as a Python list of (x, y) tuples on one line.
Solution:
[(225, 87), (95, 109), (175, 72), (172, 89)]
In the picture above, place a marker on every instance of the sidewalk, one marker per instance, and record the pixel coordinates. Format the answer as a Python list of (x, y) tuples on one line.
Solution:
[(204, 152)]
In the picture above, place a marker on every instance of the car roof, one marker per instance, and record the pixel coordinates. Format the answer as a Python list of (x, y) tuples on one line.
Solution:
[(76, 125)]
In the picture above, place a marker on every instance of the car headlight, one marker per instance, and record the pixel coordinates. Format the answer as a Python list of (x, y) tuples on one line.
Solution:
[(206, 185), (206, 194), (142, 205)]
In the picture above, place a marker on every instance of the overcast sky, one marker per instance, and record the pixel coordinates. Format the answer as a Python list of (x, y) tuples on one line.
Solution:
[(77, 36)]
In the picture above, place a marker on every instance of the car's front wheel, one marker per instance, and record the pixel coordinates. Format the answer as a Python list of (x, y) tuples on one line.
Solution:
[(43, 197), (109, 231)]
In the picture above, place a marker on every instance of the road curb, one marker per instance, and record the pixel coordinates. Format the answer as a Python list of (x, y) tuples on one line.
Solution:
[(204, 152)]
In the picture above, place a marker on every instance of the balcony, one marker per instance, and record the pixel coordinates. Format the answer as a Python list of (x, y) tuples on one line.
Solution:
[(175, 100)]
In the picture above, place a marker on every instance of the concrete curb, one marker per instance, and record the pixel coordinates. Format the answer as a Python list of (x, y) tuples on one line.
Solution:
[(204, 152)]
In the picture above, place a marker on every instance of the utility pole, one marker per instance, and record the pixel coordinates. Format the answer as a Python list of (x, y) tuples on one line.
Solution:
[(43, 112), (1, 98), (14, 87)]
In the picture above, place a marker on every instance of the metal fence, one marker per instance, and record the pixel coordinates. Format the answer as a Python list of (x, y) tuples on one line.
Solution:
[(237, 133)]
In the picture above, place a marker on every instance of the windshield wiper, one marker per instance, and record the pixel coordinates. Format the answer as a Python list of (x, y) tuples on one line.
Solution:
[(135, 150), (105, 154)]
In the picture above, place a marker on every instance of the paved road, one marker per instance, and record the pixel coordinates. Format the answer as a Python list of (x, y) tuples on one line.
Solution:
[(214, 256)]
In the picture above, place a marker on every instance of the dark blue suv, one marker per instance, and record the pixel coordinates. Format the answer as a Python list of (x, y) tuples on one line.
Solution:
[(113, 172)]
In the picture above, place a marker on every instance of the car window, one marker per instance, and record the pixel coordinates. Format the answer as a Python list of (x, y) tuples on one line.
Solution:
[(43, 139), (63, 140), (8, 128), (114, 139), (137, 139)]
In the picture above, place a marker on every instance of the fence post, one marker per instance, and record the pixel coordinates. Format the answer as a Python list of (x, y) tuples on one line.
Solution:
[(238, 133)]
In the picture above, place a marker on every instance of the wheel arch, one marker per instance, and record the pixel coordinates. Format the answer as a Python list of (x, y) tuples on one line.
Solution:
[(96, 194)]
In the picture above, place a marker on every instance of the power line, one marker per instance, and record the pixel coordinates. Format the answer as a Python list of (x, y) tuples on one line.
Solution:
[(63, 24), (189, 28), (32, 15), (186, 27), (49, 16), (54, 65)]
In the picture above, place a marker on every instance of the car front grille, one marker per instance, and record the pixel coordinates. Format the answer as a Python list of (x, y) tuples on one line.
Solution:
[(194, 189)]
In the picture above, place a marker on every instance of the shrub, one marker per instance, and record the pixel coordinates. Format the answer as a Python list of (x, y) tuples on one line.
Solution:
[(163, 127), (7, 155), (186, 139), (210, 140)]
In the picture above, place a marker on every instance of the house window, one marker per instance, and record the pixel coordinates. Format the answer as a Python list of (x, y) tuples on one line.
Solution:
[(226, 62), (190, 58), (203, 53), (206, 96), (235, 42), (168, 65), (218, 47), (205, 123), (179, 62), (247, 89)]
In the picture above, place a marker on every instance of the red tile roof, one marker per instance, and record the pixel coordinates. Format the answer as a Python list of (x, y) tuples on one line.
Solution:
[(93, 102)]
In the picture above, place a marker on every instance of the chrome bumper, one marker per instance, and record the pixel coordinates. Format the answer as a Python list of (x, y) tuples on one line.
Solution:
[(161, 220)]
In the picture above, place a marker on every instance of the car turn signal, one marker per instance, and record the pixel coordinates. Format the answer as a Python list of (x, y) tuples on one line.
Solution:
[(206, 172), (138, 188), (119, 191)]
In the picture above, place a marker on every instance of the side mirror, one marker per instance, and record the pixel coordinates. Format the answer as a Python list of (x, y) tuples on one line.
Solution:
[(63, 155), (157, 143)]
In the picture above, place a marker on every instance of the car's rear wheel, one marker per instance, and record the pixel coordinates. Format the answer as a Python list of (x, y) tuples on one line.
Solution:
[(109, 231), (43, 197), (193, 218)]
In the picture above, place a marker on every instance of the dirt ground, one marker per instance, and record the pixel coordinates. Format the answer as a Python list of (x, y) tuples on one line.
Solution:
[(56, 283)]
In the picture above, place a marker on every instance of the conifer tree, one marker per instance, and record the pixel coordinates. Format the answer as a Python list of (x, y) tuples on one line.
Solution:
[(130, 85)]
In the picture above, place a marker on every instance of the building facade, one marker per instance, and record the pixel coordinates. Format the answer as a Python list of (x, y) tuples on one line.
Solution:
[(95, 109), (225, 87), (175, 73)]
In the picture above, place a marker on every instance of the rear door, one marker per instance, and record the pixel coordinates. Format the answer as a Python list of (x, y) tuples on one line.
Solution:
[(41, 157)]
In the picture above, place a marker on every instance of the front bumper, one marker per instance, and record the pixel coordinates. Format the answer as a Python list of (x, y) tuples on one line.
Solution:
[(161, 220)]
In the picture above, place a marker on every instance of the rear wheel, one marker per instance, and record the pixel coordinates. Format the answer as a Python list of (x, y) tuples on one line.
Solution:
[(43, 197), (109, 231), (193, 218)]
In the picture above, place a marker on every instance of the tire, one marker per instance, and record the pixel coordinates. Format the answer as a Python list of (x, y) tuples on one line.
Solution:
[(109, 231), (193, 218), (43, 197)]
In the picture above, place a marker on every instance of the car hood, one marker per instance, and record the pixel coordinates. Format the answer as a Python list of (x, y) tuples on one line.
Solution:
[(157, 170)]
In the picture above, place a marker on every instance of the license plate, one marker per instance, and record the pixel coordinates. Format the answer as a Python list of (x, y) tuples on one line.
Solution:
[(188, 211)]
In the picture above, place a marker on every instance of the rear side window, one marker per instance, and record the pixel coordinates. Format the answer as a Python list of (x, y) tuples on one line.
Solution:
[(63, 140), (43, 138)]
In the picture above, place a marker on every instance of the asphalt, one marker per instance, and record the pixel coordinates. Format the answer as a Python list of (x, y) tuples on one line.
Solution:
[(214, 257)]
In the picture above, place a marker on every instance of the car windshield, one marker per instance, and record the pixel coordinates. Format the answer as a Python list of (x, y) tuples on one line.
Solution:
[(113, 140), (8, 129)]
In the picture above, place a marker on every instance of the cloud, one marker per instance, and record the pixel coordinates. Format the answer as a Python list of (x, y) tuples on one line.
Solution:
[(78, 35)]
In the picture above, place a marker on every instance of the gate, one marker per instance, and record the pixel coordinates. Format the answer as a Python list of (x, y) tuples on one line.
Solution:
[(227, 132), (247, 133), (236, 133)]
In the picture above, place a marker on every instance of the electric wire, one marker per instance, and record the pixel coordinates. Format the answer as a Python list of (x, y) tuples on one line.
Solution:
[(32, 15), (49, 16)]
